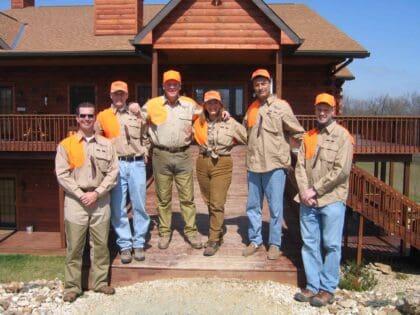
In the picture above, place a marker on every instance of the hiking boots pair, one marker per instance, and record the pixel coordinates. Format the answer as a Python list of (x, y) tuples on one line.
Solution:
[(318, 300), (195, 241), (106, 289), (126, 257)]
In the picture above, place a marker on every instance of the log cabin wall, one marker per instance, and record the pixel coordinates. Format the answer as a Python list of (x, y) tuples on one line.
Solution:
[(36, 192), (200, 24), (31, 84)]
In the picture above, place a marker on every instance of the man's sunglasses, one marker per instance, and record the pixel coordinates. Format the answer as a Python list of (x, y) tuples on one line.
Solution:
[(86, 115)]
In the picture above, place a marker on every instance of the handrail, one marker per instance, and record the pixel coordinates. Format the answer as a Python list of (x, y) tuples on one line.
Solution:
[(34, 132), (378, 134), (384, 206), (373, 135)]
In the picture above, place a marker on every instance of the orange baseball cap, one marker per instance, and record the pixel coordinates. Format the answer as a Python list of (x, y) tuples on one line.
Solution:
[(119, 86), (212, 95), (260, 73), (171, 75), (325, 98)]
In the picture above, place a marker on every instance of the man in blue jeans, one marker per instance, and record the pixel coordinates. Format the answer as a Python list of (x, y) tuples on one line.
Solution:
[(322, 174), (127, 132), (268, 119)]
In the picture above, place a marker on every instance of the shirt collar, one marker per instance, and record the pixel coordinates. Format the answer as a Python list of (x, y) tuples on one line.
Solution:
[(115, 110)]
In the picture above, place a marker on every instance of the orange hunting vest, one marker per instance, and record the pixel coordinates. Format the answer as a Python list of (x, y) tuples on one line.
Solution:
[(75, 150)]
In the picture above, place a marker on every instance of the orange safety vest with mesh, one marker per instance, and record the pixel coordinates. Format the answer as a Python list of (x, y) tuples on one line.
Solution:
[(200, 131), (109, 123), (310, 140), (252, 113), (75, 151)]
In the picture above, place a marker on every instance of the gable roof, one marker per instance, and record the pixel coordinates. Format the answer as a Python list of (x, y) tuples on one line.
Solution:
[(260, 4), (69, 30)]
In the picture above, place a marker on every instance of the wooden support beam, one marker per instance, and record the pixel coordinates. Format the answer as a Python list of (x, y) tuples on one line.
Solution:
[(155, 73), (61, 216), (383, 171), (406, 180), (391, 174), (360, 240), (279, 73), (376, 169)]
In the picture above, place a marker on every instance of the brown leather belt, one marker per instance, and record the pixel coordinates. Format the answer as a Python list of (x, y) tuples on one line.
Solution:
[(85, 190), (172, 150), (130, 158)]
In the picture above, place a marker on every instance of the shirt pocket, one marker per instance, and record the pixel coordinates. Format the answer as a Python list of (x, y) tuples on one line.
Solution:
[(134, 128), (328, 154), (102, 158), (268, 123), (224, 136)]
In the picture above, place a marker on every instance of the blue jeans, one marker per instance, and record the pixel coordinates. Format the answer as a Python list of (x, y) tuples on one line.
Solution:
[(272, 185), (324, 224), (131, 180)]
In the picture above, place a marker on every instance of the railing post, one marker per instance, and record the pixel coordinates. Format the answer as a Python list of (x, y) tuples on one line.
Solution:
[(360, 240)]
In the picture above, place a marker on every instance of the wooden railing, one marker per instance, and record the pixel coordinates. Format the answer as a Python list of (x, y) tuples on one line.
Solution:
[(378, 135), (373, 135), (34, 132), (384, 206)]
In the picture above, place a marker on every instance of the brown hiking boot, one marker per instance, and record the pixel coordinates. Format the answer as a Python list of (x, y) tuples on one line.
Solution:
[(70, 297), (211, 248), (251, 249), (106, 289), (322, 298), (164, 241), (274, 252), (304, 295), (139, 254), (126, 256), (195, 241)]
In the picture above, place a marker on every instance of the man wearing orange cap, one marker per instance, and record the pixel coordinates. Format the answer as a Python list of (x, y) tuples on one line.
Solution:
[(170, 118), (322, 174), (129, 136), (268, 157)]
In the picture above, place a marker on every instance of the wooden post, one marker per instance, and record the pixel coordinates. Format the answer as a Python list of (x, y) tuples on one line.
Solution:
[(391, 174), (376, 169), (360, 240), (61, 216), (406, 192), (279, 73), (155, 73), (383, 171)]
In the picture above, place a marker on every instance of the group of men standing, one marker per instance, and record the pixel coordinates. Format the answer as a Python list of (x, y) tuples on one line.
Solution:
[(99, 174)]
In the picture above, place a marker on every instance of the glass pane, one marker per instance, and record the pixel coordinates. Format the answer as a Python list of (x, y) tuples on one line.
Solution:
[(80, 94), (6, 102), (144, 93), (239, 101), (7, 202)]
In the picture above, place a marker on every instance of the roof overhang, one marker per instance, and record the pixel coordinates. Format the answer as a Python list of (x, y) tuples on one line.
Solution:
[(345, 54)]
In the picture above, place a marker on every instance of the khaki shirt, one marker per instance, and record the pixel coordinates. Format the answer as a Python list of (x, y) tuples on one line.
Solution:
[(176, 131), (78, 180), (133, 143), (222, 136), (329, 169), (268, 146)]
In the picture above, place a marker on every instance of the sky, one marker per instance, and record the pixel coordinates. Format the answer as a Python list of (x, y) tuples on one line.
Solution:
[(388, 29)]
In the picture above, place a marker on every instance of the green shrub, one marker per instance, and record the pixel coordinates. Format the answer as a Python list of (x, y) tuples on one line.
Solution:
[(356, 278)]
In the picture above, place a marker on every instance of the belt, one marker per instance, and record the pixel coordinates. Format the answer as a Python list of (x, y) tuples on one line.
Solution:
[(85, 190), (130, 158), (172, 150)]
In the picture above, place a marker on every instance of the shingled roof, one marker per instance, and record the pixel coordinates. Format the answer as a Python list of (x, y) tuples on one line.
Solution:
[(69, 30)]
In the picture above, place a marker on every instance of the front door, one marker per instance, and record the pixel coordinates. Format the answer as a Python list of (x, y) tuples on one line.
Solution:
[(7, 202)]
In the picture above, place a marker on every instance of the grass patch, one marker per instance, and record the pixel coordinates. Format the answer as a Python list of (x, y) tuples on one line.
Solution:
[(27, 267), (356, 278)]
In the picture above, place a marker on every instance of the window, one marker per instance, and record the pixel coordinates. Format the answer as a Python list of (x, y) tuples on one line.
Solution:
[(232, 97), (7, 202), (144, 93), (6, 99), (80, 94)]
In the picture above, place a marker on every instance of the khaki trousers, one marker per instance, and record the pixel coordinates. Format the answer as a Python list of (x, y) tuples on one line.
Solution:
[(214, 177), (168, 167), (76, 240)]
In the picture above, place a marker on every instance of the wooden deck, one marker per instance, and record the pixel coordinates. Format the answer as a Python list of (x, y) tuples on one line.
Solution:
[(180, 260)]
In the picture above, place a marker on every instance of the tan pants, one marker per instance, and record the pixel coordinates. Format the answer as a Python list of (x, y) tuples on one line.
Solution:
[(214, 177), (76, 234), (169, 167)]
